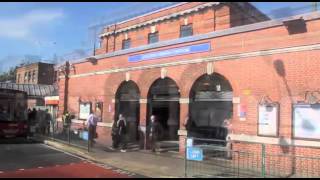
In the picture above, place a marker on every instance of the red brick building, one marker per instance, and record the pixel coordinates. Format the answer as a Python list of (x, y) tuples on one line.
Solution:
[(232, 60)]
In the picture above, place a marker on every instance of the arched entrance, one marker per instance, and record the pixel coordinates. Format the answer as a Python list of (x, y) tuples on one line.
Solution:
[(163, 102), (210, 107), (127, 104)]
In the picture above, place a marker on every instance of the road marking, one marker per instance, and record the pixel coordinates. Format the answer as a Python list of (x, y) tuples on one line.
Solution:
[(40, 167), (21, 169), (65, 152), (1, 171)]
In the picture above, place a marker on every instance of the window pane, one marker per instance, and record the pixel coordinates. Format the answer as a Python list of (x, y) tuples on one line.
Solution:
[(153, 38), (126, 44), (186, 30)]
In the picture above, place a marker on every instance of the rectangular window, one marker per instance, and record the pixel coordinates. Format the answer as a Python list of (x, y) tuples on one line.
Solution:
[(29, 76), (126, 44), (153, 37), (33, 76), (18, 78), (186, 30), (25, 77)]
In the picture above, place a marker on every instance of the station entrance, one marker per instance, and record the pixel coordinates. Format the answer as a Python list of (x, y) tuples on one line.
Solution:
[(210, 107), (163, 102), (127, 104)]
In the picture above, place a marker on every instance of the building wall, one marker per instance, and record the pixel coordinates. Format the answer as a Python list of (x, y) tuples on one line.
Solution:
[(210, 19), (43, 74), (251, 77)]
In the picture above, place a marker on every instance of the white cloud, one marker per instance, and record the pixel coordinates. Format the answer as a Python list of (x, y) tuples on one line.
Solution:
[(21, 27)]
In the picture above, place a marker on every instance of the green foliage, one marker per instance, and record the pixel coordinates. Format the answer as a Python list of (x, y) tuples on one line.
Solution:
[(9, 76)]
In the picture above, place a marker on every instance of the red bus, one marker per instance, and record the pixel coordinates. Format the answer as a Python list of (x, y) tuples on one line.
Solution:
[(13, 113)]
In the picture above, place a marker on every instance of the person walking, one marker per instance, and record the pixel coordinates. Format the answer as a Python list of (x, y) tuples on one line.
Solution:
[(154, 132), (115, 135), (92, 122), (48, 122), (66, 122), (122, 132)]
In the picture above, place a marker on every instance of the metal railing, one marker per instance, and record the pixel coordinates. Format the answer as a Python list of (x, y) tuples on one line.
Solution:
[(67, 134), (250, 160)]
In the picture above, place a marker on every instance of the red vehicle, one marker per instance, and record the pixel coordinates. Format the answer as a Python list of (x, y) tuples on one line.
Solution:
[(13, 114)]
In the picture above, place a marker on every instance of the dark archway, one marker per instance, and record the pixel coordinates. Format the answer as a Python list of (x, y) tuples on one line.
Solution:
[(210, 107), (127, 103), (163, 102)]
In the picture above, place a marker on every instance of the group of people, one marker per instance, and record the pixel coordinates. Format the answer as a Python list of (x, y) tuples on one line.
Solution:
[(41, 119), (119, 133)]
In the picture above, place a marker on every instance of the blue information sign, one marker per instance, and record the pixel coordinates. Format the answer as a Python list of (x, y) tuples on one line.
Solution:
[(171, 52), (195, 154), (84, 135)]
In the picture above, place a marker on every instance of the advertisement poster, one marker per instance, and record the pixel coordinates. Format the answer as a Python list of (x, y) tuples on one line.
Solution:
[(306, 121), (84, 110), (268, 120)]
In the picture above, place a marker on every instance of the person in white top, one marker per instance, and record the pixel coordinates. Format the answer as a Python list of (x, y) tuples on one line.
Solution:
[(92, 122)]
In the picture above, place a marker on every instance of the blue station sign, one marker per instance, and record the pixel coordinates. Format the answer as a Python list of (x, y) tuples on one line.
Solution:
[(171, 52), (194, 154)]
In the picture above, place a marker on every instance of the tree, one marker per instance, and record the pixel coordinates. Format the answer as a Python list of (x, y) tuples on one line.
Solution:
[(9, 76)]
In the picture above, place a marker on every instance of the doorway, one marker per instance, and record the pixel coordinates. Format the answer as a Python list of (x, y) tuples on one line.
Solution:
[(163, 102)]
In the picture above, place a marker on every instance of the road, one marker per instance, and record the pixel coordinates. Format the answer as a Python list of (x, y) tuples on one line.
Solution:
[(34, 160)]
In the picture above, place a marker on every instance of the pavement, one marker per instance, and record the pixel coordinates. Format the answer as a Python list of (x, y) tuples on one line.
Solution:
[(142, 162)]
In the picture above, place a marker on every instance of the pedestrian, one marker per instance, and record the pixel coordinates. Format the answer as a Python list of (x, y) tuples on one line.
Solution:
[(66, 122), (154, 132), (115, 135), (92, 122), (48, 121), (122, 132)]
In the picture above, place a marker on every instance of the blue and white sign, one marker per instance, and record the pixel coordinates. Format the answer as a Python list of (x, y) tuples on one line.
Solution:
[(189, 142), (84, 135), (194, 154), (171, 52)]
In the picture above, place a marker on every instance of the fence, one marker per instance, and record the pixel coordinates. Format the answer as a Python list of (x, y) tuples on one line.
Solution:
[(67, 134), (215, 158)]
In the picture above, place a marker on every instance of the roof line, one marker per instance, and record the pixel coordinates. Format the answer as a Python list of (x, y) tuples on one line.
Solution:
[(152, 12)]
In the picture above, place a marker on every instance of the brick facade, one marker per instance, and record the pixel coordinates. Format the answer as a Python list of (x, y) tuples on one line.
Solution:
[(251, 73)]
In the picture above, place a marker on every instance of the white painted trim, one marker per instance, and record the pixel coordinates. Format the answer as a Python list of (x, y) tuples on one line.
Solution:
[(101, 124), (207, 59), (105, 124), (182, 132), (162, 9), (143, 101), (162, 18), (77, 121), (274, 140), (184, 101)]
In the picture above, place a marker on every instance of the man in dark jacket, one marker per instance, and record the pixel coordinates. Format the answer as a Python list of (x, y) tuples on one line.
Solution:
[(154, 132), (122, 125)]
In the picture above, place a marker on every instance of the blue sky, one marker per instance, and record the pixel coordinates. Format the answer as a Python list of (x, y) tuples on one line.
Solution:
[(33, 29)]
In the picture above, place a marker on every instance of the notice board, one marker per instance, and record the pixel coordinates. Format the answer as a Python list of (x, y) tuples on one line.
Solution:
[(268, 119), (306, 121)]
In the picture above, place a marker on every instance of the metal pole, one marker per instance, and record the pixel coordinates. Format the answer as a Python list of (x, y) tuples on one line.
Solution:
[(263, 163), (185, 157), (89, 137), (69, 134)]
